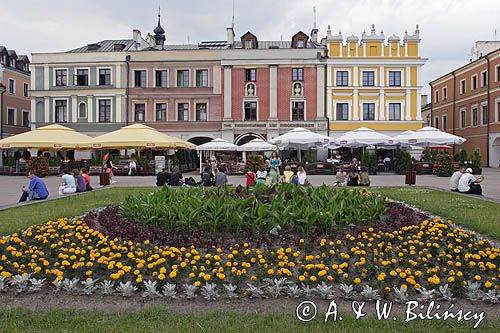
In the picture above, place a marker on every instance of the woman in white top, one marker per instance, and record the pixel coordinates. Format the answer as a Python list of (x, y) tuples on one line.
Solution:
[(301, 173)]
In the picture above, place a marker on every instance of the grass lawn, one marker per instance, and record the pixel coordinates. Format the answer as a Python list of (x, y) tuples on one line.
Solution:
[(479, 215), (23, 216), (160, 320)]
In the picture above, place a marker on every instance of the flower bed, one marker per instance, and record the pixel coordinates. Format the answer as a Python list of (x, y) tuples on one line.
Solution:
[(260, 209), (376, 263)]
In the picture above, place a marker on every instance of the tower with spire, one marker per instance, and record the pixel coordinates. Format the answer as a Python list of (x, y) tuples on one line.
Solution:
[(159, 32)]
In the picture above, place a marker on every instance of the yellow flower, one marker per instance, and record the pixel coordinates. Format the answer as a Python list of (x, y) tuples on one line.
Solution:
[(488, 284), (357, 281)]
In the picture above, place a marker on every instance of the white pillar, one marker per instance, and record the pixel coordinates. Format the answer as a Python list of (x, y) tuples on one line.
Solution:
[(33, 113), (46, 101), (118, 76), (90, 109), (273, 92), (118, 109), (355, 105), (320, 95), (74, 109), (227, 93), (46, 82)]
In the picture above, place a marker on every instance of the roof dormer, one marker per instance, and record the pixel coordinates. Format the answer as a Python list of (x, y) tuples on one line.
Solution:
[(299, 40), (249, 41)]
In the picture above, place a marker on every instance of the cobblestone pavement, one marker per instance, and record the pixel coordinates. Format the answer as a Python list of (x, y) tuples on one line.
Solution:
[(10, 186)]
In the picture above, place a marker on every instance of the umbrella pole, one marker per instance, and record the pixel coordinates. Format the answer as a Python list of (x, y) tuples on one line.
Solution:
[(201, 157), (300, 155)]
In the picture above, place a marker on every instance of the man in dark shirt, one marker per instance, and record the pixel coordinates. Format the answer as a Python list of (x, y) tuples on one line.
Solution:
[(162, 178)]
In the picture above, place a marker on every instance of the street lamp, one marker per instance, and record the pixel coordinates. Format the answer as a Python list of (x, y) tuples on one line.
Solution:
[(2, 91)]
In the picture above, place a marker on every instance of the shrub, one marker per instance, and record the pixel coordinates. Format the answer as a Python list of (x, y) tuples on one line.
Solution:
[(427, 155), (259, 209), (404, 161), (476, 159), (39, 166), (369, 160), (9, 161), (461, 156), (443, 165)]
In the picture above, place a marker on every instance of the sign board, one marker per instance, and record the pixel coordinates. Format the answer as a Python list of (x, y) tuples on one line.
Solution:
[(159, 164)]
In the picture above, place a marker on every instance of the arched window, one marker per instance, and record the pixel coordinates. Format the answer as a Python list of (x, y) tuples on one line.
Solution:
[(297, 89), (82, 110)]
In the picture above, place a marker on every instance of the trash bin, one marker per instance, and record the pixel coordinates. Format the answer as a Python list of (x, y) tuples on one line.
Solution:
[(104, 178), (411, 177)]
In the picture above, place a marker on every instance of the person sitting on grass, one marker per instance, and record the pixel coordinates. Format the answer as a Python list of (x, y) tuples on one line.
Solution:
[(80, 181), (339, 178), (301, 173), (220, 177), (287, 174), (68, 184), (364, 178), (207, 177), (162, 178), (176, 178), (455, 178), (352, 176), (273, 174), (37, 190), (469, 184), (86, 177)]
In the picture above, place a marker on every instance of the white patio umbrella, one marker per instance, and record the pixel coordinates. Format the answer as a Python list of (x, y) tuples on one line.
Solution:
[(430, 136), (257, 145), (215, 145), (362, 137), (300, 138)]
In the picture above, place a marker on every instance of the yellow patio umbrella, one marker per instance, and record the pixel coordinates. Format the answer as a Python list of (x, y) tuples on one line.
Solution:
[(47, 137), (137, 136)]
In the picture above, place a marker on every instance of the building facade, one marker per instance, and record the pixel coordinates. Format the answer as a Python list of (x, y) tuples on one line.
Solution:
[(466, 102), (15, 107), (373, 82), (270, 87)]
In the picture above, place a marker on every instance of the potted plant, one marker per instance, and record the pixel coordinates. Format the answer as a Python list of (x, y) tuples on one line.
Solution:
[(476, 162), (369, 161), (39, 166), (404, 162), (461, 156), (443, 165)]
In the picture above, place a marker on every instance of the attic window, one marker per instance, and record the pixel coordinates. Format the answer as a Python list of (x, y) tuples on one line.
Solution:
[(300, 43), (93, 47), (248, 44), (118, 47), (274, 47)]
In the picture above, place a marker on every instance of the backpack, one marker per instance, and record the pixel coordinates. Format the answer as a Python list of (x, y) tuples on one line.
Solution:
[(294, 180)]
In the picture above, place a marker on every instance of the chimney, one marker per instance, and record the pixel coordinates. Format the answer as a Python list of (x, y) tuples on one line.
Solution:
[(136, 36), (314, 35), (230, 36)]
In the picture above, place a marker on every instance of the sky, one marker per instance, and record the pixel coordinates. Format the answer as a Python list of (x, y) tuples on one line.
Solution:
[(448, 28)]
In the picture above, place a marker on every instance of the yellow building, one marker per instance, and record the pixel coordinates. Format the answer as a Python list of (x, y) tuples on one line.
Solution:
[(373, 82)]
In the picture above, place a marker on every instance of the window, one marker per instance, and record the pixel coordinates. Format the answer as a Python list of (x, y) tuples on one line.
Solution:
[(474, 82), (11, 115), (201, 111), (202, 78), (298, 108), (250, 74), (104, 76), (105, 111), (394, 111), (485, 114), (82, 110), (248, 44), (437, 96), (297, 74), (250, 110), (368, 78), (140, 112), (82, 77), (161, 78), (61, 77), (342, 111), (498, 73), (474, 117), (183, 111), (462, 87), (300, 43), (342, 78), (26, 119), (445, 93), (436, 122), (12, 86), (61, 107), (140, 79), (462, 119), (183, 78), (444, 123), (394, 78), (161, 112), (368, 111), (498, 111), (484, 78), (25, 89)]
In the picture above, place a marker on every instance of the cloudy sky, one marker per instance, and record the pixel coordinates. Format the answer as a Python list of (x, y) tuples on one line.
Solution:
[(449, 28)]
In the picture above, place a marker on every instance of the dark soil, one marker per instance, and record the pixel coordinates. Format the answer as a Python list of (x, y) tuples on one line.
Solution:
[(109, 222)]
